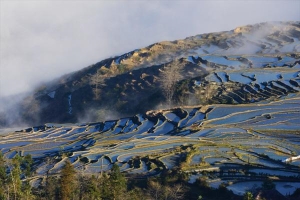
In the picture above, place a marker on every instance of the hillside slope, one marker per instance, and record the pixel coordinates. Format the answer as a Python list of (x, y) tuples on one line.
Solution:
[(221, 106), (224, 67), (245, 142)]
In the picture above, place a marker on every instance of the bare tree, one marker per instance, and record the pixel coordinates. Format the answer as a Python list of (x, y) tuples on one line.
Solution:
[(169, 76), (208, 92), (155, 190), (97, 80), (158, 191)]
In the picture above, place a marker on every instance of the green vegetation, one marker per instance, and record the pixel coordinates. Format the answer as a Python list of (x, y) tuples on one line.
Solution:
[(67, 185), (72, 184), (11, 171), (248, 196), (3, 177)]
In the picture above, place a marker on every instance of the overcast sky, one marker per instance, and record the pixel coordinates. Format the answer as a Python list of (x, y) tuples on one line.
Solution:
[(42, 40)]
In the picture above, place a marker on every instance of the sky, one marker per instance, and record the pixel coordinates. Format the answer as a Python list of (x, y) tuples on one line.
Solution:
[(43, 40)]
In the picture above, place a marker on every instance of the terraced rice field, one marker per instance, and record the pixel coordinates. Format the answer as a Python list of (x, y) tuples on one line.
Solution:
[(220, 137)]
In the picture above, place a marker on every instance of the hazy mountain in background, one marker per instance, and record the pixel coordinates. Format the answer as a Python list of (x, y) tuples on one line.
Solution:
[(244, 65)]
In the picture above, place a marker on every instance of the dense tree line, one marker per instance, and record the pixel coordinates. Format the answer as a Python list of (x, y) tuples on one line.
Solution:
[(109, 186), (16, 173), (72, 184)]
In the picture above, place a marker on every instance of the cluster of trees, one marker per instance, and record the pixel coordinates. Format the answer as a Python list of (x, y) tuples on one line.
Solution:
[(71, 184), (74, 185), (14, 173)]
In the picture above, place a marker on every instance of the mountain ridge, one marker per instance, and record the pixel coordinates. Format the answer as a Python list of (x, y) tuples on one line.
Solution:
[(110, 75)]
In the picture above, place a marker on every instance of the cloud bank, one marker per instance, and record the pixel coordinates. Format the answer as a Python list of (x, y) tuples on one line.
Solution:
[(42, 40)]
